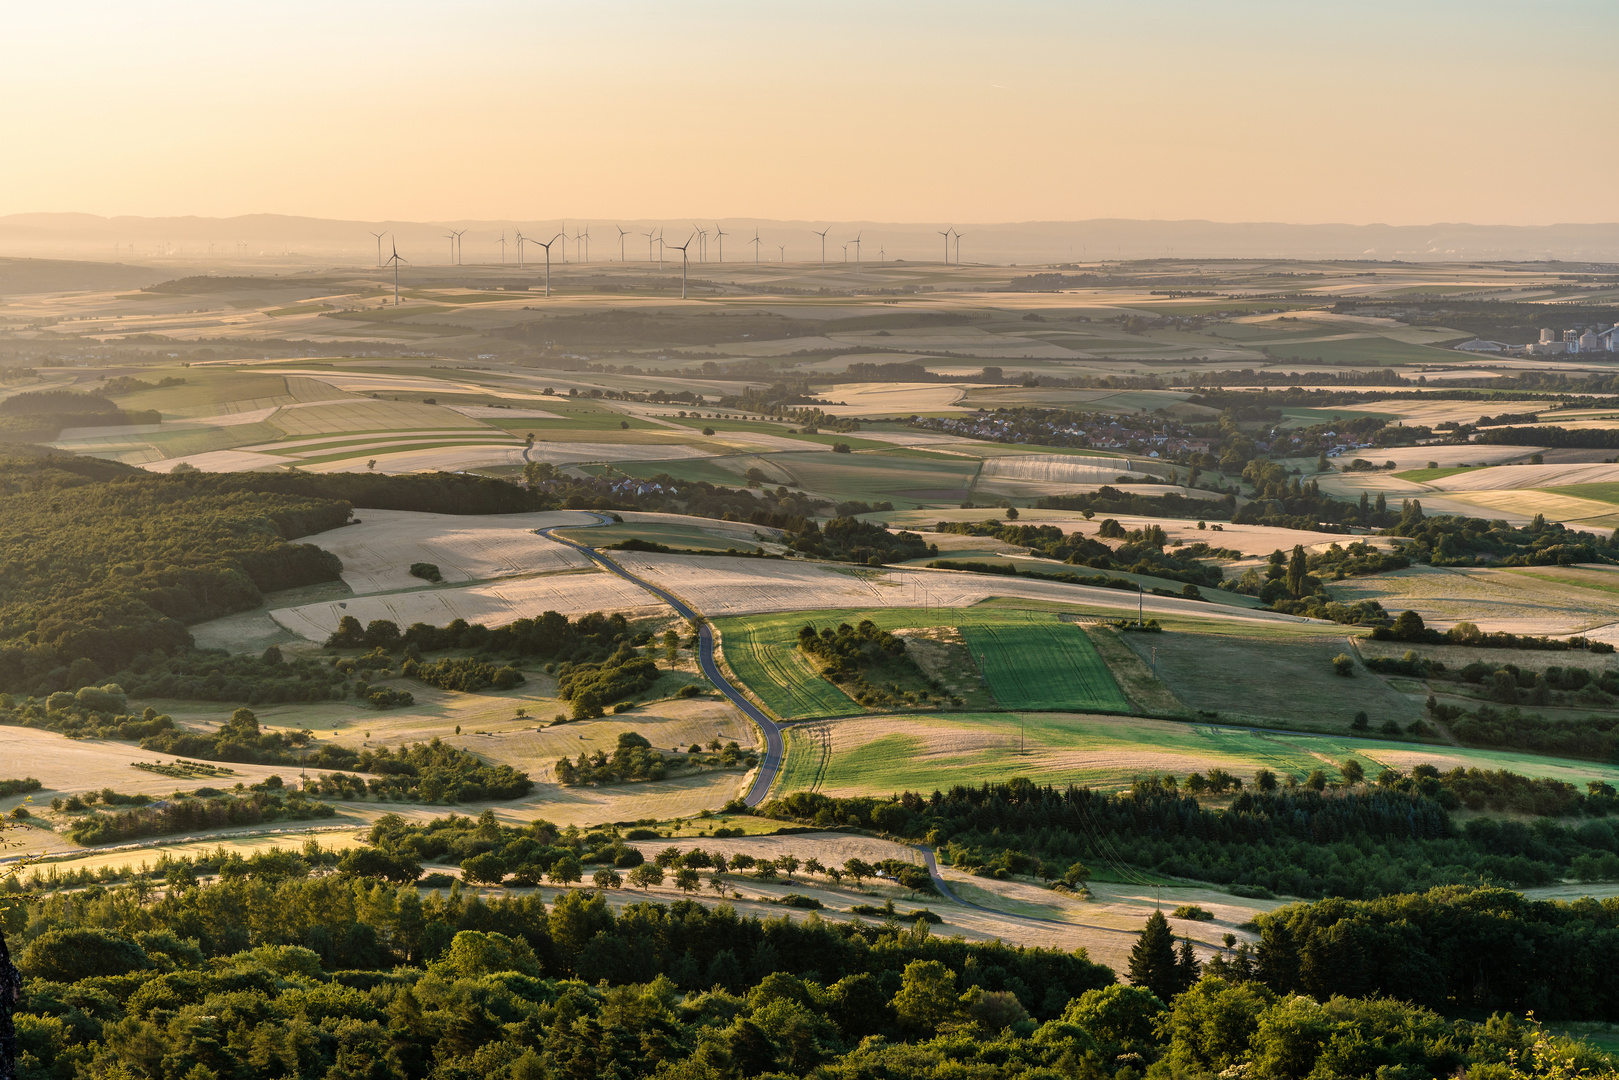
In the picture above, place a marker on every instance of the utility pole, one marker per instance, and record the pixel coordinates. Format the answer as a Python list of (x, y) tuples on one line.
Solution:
[(1141, 604)]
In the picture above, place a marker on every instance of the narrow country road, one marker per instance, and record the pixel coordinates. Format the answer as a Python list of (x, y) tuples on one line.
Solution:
[(770, 765)]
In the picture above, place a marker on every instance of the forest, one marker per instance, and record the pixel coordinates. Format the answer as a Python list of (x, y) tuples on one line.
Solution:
[(1310, 839), (283, 967)]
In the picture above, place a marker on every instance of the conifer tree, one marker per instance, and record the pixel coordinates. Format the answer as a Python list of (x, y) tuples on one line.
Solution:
[(1152, 958)]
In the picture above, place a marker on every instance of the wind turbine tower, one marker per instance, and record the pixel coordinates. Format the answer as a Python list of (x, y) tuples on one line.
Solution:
[(379, 247), (958, 246), (856, 243), (521, 240), (503, 247), (622, 233), (458, 248), (451, 237), (683, 261), (396, 260), (822, 235), (719, 235), (946, 235), (755, 243), (547, 246), (651, 235)]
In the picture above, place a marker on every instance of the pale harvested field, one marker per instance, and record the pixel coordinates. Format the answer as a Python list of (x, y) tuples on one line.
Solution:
[(1520, 503), (218, 461), (1431, 411), (1257, 540), (494, 604), (378, 552), (367, 382), (1503, 477), (561, 453), (722, 585), (1494, 599), (485, 412), (1054, 469), (741, 530), (1417, 457), (893, 399), (446, 459)]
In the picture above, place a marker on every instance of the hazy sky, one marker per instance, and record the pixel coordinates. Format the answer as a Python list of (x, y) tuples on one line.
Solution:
[(1297, 110)]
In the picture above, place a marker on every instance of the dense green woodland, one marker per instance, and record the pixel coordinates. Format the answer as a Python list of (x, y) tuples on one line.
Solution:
[(101, 563), (1306, 840), (275, 972)]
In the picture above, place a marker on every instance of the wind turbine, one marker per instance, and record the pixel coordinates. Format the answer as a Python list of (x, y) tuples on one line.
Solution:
[(546, 244), (755, 243), (958, 245), (650, 235), (396, 260), (458, 248), (845, 252), (702, 243), (622, 233), (451, 237), (719, 235), (783, 248), (856, 243), (683, 260), (503, 247), (521, 240), (576, 238), (946, 235), (379, 247), (822, 235)]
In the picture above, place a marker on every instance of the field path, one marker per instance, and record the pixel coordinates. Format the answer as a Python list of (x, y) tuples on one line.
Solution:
[(771, 765), (944, 890)]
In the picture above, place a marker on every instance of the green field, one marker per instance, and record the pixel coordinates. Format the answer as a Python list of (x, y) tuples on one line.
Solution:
[(1033, 659), (1608, 493), (1043, 664), (768, 661), (929, 752), (1428, 476)]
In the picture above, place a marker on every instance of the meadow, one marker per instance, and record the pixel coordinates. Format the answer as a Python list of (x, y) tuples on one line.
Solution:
[(1028, 659)]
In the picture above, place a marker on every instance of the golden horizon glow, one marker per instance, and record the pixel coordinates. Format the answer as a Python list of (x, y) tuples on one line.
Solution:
[(1486, 112)]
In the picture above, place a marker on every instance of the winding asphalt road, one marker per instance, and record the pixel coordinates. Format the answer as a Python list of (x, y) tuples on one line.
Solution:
[(771, 764)]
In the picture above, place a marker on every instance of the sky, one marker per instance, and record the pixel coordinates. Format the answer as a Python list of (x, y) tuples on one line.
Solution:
[(1355, 111)]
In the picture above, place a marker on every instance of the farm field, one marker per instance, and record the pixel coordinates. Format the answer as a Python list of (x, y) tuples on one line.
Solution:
[(882, 755), (1499, 599), (378, 552), (1269, 682), (1029, 659)]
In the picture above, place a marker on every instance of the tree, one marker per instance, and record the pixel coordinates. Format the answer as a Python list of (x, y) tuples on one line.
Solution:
[(1076, 875), (485, 869), (812, 865), (671, 646), (688, 880), (927, 999), (788, 865), (607, 878), (1011, 513), (566, 870), (1187, 967), (1408, 626), (1152, 958), (1361, 721), (717, 883), (647, 875), (1297, 571), (858, 869), (1265, 780), (1353, 772), (765, 870), (669, 856), (1343, 664)]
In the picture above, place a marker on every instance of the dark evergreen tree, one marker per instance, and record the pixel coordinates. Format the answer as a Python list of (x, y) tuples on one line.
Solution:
[(1152, 959)]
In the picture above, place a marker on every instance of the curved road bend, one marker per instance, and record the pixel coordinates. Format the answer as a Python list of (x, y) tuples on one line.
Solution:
[(773, 742), (771, 763)]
